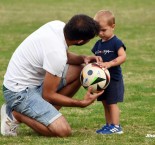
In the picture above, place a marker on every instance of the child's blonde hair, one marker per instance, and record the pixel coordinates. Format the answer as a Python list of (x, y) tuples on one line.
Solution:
[(106, 14)]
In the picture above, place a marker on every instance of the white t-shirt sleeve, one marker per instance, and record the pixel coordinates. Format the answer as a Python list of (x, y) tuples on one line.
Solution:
[(54, 62)]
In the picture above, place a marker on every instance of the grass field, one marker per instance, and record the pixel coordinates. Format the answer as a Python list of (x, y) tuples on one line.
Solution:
[(135, 25)]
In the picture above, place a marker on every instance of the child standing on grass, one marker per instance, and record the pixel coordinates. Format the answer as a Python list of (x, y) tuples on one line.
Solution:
[(112, 51)]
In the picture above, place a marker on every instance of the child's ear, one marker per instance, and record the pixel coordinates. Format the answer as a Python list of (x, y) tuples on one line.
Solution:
[(113, 25)]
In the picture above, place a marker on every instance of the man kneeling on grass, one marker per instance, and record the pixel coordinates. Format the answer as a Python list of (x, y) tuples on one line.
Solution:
[(42, 76)]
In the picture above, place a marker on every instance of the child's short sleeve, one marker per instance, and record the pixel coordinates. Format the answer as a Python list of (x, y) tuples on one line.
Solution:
[(119, 44)]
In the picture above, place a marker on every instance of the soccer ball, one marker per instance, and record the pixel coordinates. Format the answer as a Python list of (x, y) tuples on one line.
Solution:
[(95, 76)]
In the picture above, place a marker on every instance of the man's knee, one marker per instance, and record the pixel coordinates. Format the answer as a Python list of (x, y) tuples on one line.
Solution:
[(65, 132), (73, 73), (60, 127), (80, 67)]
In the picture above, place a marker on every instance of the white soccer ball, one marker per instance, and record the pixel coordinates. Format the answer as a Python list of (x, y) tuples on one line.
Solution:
[(95, 76)]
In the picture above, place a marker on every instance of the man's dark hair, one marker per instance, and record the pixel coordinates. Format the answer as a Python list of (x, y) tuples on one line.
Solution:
[(81, 27)]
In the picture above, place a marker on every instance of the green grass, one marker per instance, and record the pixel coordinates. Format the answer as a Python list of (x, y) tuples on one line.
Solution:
[(135, 25)]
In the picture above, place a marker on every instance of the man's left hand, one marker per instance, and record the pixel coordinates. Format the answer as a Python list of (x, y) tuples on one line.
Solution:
[(89, 59)]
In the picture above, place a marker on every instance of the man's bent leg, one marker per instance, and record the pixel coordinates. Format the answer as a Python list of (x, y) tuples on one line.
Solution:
[(30, 108), (71, 78), (58, 128), (72, 81)]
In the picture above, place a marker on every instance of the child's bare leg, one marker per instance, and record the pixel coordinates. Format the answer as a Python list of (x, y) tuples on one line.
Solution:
[(114, 114), (107, 113)]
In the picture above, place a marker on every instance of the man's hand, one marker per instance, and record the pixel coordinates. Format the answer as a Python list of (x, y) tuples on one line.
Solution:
[(89, 98), (88, 59)]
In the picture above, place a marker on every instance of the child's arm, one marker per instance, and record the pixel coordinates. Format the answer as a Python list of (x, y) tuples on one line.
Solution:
[(117, 61)]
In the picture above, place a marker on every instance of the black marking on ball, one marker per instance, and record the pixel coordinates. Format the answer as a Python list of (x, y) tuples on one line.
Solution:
[(85, 87), (98, 80), (90, 72), (99, 88)]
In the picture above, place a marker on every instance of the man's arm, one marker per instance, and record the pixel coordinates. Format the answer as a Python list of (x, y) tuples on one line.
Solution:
[(75, 59), (50, 94)]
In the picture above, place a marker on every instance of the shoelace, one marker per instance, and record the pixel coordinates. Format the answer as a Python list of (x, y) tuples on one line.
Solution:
[(105, 127), (13, 128)]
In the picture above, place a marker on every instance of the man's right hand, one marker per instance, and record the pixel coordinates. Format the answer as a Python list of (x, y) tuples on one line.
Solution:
[(89, 98)]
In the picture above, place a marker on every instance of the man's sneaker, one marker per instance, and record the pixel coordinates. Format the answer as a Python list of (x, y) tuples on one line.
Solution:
[(105, 127), (112, 129), (8, 124)]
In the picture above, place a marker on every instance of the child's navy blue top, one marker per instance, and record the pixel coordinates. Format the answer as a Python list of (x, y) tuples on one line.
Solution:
[(108, 50)]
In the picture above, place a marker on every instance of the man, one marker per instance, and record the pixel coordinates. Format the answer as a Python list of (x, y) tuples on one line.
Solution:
[(43, 75)]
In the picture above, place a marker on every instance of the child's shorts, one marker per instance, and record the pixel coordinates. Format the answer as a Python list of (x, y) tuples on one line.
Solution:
[(114, 93)]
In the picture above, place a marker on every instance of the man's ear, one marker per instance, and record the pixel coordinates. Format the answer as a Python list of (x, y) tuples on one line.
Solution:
[(80, 41)]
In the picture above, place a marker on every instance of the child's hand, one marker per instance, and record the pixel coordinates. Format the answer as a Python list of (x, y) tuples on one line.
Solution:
[(105, 65)]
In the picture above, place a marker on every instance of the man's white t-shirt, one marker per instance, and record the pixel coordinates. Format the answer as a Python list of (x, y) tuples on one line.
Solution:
[(44, 50)]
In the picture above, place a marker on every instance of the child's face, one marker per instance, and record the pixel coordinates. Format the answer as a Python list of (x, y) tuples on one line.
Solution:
[(106, 31)]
